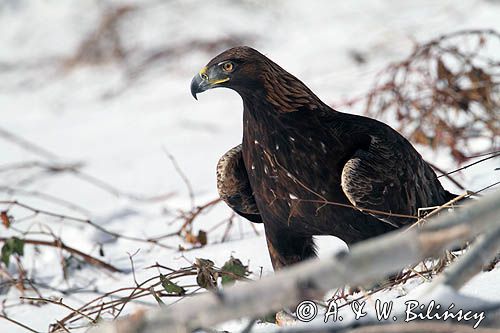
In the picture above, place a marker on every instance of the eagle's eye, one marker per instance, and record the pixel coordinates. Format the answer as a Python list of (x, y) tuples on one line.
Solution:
[(228, 67)]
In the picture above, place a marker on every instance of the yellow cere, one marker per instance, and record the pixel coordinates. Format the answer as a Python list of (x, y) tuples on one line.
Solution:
[(203, 71), (218, 81)]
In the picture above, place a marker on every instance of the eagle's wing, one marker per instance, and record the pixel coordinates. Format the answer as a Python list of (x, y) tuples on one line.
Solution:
[(234, 187), (392, 177)]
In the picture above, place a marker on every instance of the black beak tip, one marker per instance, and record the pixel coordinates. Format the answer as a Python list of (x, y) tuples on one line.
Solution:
[(195, 86)]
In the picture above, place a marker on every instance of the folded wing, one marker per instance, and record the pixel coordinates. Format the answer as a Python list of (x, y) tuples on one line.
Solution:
[(234, 187), (391, 177)]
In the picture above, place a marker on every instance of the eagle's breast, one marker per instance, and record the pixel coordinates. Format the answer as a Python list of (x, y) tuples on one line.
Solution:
[(292, 173)]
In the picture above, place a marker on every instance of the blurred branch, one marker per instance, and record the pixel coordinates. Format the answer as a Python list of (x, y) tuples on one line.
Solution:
[(480, 254), (27, 145), (375, 327), (368, 261), (45, 196), (72, 168)]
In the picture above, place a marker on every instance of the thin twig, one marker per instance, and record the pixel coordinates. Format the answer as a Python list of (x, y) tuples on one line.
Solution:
[(183, 176), (365, 210), (131, 256), (469, 165), (59, 244), (358, 267), (445, 174), (18, 323), (60, 303), (82, 220), (438, 209), (47, 197)]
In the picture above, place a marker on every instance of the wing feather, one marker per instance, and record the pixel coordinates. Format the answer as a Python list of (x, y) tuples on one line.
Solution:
[(234, 187), (392, 178)]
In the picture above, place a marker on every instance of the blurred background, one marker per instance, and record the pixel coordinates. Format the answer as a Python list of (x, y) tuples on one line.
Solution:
[(97, 120)]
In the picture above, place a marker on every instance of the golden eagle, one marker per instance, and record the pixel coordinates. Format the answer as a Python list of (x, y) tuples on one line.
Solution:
[(300, 158)]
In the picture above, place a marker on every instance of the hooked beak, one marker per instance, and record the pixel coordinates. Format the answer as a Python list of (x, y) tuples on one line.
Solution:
[(204, 80), (198, 85)]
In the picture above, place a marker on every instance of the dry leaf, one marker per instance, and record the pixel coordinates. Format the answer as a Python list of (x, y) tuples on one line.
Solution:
[(5, 219)]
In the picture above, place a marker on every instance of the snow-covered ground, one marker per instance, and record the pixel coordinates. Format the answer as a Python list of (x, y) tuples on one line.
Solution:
[(119, 122)]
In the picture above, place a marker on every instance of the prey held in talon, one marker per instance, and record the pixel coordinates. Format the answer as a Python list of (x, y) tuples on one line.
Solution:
[(308, 310)]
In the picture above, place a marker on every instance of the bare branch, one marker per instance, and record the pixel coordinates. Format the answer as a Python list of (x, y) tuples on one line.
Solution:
[(59, 244), (364, 264), (18, 323), (471, 263), (82, 220)]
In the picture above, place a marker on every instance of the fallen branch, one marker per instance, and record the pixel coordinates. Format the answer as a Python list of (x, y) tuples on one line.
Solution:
[(367, 262), (472, 262), (420, 328), (416, 327)]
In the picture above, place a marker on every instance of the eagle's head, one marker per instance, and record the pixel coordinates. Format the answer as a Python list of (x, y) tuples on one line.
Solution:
[(257, 79), (237, 68)]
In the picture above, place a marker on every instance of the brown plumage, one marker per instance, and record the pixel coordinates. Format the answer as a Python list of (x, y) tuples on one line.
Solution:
[(298, 155), (234, 186)]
